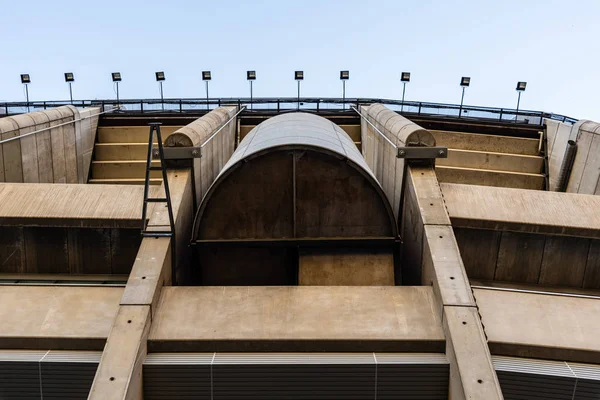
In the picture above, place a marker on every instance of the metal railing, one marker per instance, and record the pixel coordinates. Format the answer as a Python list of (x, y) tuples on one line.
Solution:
[(278, 104)]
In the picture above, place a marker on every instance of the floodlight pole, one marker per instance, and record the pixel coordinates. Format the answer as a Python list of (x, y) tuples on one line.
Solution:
[(118, 104), (403, 91), (344, 94), (27, 96), (207, 107), (162, 100), (71, 92), (461, 102), (298, 93), (251, 105), (518, 101)]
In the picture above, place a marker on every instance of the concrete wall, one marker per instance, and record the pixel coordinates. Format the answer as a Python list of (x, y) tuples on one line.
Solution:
[(381, 156), (58, 155), (585, 176)]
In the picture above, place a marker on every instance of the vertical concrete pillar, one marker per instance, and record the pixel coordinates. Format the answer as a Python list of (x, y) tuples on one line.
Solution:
[(432, 257)]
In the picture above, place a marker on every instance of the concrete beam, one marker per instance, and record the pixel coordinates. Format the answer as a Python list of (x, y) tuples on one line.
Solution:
[(297, 318), (432, 252), (117, 377), (120, 370), (487, 177)]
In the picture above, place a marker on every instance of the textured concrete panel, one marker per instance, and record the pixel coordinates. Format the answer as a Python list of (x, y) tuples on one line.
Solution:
[(57, 317), (541, 326), (346, 269), (300, 317)]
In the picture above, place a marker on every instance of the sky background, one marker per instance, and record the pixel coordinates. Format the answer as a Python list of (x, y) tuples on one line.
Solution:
[(553, 45)]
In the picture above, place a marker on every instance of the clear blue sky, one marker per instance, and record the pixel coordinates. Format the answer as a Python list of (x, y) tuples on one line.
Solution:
[(551, 44)]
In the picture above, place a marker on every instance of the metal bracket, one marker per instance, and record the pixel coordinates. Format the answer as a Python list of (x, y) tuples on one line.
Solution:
[(178, 153), (422, 153)]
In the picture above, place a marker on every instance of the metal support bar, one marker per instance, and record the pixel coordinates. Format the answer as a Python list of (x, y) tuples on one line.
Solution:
[(178, 153), (422, 153)]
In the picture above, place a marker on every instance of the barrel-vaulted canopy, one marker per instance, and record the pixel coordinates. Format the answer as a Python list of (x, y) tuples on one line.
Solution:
[(294, 176)]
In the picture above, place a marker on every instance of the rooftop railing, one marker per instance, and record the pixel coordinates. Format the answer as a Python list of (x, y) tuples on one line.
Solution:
[(279, 104)]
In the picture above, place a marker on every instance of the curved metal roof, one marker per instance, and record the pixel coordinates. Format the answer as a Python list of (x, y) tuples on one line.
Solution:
[(296, 131)]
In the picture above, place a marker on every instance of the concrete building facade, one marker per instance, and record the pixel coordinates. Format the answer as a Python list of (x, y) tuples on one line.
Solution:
[(311, 252)]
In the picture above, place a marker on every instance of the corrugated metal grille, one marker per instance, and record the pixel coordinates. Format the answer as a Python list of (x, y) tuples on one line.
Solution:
[(65, 375), (524, 378), (296, 376)]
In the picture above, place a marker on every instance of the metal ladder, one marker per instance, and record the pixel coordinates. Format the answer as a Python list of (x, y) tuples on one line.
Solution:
[(155, 128)]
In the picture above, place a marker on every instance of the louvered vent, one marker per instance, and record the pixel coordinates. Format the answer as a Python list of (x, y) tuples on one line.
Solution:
[(523, 378), (321, 376), (65, 375)]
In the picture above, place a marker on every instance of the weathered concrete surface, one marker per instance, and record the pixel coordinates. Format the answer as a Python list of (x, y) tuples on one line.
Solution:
[(487, 143), (216, 153), (85, 206), (58, 155), (117, 377), (540, 326), (486, 177), (381, 157), (492, 161), (522, 210), (346, 269), (585, 175), (46, 317), (300, 318), (431, 255)]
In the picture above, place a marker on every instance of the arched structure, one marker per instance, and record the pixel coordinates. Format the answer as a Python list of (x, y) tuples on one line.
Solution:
[(296, 183)]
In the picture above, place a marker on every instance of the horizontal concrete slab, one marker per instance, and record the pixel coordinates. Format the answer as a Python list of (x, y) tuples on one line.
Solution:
[(488, 177), (121, 151), (57, 317), (123, 169), (71, 205), (481, 142), (400, 318), (522, 210), (524, 324), (130, 134), (492, 161)]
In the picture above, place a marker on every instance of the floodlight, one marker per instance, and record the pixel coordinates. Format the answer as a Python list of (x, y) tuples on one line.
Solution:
[(251, 75), (25, 78), (69, 77), (344, 75), (160, 76), (299, 75), (405, 77), (521, 86), (116, 76), (206, 75), (465, 81)]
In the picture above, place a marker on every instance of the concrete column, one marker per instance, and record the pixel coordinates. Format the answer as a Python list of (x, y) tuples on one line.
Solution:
[(119, 374), (431, 257)]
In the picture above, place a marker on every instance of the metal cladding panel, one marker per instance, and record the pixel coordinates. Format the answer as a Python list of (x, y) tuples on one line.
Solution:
[(19, 380), (523, 378), (66, 375), (295, 376)]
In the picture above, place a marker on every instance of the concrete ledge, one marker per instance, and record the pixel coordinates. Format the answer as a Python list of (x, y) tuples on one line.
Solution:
[(398, 129), (297, 319), (71, 205), (522, 210), (41, 317), (540, 326), (196, 132)]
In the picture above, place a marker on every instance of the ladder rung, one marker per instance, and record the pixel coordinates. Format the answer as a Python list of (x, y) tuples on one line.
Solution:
[(157, 200)]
